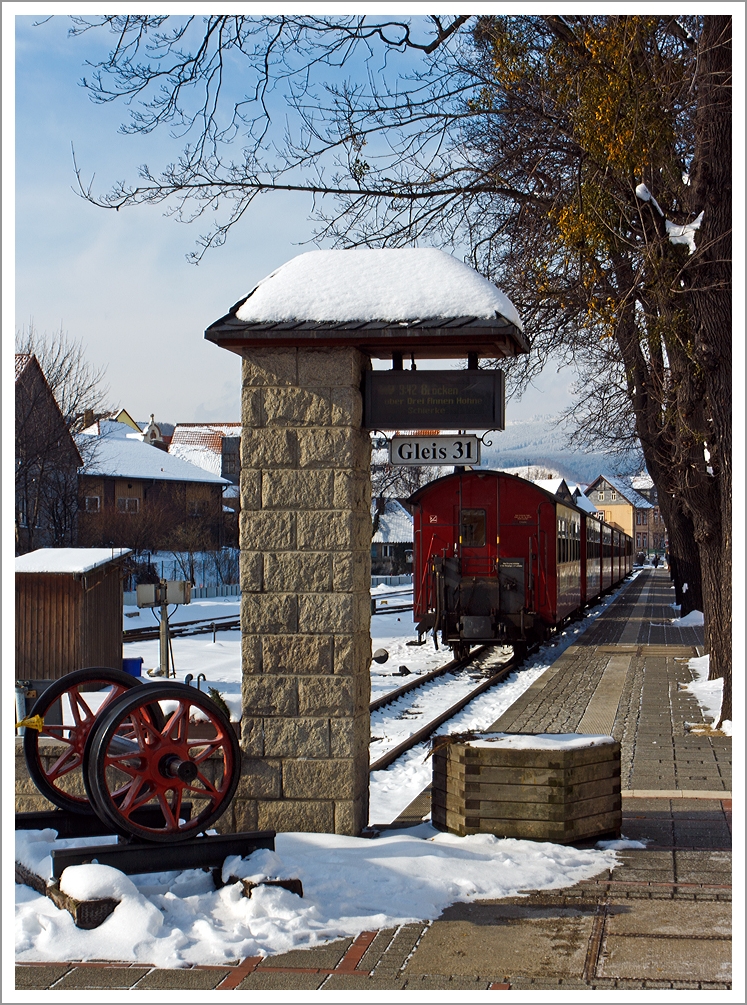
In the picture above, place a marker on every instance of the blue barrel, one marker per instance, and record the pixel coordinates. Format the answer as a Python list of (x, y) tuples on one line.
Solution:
[(133, 665)]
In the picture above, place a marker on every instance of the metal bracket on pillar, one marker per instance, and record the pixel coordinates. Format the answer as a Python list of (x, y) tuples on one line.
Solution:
[(397, 361)]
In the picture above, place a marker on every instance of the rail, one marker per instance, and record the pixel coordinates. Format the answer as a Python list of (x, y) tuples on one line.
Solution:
[(430, 727)]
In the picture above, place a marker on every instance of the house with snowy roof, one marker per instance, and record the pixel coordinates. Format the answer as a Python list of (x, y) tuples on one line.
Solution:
[(392, 539), (626, 508), (214, 446), (158, 434), (135, 495), (568, 492)]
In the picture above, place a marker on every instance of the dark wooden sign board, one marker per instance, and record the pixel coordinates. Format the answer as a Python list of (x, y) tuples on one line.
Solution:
[(434, 399)]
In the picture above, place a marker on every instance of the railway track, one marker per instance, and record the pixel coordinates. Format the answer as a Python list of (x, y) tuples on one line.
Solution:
[(424, 731), (181, 629)]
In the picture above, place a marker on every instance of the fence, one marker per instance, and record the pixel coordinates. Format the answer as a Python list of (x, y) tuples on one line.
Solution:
[(198, 593), (403, 580)]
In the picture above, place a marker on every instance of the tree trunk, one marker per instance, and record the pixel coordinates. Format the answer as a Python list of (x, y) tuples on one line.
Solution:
[(709, 294), (684, 557)]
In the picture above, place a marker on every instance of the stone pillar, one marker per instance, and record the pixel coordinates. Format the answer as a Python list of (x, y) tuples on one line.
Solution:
[(305, 533)]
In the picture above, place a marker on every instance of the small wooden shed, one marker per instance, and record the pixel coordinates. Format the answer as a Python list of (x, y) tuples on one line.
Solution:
[(68, 611)]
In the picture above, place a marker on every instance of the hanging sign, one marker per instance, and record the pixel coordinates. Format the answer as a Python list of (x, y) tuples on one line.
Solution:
[(434, 399), (409, 451)]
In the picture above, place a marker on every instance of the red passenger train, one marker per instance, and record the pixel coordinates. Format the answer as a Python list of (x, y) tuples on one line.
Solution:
[(499, 559)]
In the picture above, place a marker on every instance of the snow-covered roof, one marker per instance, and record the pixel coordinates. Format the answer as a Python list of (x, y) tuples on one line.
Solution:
[(185, 432), (625, 490), (549, 484), (202, 443), (395, 524), (375, 284), (115, 457), (68, 560), (111, 428), (642, 481), (584, 503)]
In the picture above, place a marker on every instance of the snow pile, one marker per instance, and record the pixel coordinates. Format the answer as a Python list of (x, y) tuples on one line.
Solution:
[(708, 693), (684, 234), (692, 620), (677, 233), (375, 284), (643, 193), (350, 885), (539, 741)]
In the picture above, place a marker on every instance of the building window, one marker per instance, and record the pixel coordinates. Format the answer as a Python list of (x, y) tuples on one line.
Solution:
[(128, 504), (600, 496), (92, 504), (197, 507), (638, 541), (231, 464), (638, 517), (387, 550)]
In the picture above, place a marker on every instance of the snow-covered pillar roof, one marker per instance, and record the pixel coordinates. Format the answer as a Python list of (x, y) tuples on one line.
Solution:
[(380, 301)]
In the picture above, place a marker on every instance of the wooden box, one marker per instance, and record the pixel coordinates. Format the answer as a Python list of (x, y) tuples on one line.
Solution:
[(560, 788)]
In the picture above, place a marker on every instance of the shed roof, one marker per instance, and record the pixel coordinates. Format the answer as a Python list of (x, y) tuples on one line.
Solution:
[(380, 299), (68, 560)]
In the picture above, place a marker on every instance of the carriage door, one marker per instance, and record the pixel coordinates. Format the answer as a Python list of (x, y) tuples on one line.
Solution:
[(478, 550)]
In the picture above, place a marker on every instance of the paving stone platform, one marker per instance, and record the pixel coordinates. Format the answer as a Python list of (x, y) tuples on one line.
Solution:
[(661, 919)]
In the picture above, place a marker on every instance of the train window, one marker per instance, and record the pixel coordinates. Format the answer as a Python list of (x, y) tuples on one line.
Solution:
[(473, 528)]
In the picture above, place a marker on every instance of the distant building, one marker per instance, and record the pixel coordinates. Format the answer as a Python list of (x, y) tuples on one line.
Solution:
[(644, 485), (46, 463), (625, 508), (392, 540), (214, 446), (158, 434), (137, 496)]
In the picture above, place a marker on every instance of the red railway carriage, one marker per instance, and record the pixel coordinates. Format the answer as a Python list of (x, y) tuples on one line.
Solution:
[(499, 559)]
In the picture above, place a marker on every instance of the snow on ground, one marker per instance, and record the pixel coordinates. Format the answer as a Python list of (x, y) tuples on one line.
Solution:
[(708, 693), (692, 620), (350, 885), (220, 661)]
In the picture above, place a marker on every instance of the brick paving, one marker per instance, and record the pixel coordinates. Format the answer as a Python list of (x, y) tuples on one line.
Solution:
[(616, 932)]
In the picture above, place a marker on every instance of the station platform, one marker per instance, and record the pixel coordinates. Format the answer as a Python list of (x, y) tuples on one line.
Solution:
[(617, 931)]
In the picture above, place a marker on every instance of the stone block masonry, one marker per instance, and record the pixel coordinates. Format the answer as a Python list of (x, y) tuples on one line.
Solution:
[(305, 576)]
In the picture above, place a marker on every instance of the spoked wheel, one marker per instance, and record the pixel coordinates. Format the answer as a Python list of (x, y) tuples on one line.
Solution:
[(69, 708), (187, 752)]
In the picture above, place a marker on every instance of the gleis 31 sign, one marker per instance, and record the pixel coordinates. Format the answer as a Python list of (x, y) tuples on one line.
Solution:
[(446, 450)]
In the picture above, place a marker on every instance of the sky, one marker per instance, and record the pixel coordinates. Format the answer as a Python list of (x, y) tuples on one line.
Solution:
[(120, 282)]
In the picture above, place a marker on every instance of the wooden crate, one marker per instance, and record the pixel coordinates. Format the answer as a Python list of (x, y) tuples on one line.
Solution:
[(558, 793)]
